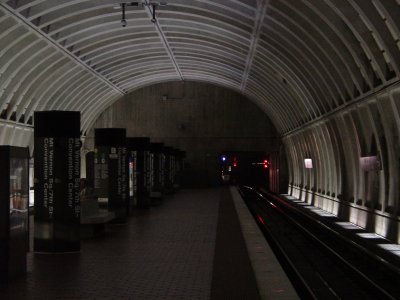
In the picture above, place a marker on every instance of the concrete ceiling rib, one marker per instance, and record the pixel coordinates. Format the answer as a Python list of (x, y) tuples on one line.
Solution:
[(257, 27), (361, 35), (20, 73), (278, 98), (40, 34), (306, 32), (298, 60), (274, 103), (333, 41), (291, 66)]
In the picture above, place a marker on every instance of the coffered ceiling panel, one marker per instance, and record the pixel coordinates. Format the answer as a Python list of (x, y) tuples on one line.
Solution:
[(298, 60)]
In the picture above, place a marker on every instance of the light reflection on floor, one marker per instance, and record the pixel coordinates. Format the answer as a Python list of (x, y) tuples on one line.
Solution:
[(290, 197), (320, 212), (393, 248), (349, 225), (369, 235)]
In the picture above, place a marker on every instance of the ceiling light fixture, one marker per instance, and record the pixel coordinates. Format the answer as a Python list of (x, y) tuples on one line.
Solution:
[(152, 4), (153, 10), (123, 7), (154, 14), (123, 20)]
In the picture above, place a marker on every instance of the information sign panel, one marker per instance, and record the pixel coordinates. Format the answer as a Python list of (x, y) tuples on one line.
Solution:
[(111, 171), (57, 181)]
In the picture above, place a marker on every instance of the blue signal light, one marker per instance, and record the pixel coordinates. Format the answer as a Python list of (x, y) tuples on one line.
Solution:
[(223, 158)]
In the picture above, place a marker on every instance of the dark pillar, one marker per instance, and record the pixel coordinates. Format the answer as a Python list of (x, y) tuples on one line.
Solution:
[(57, 175), (14, 220), (111, 171), (174, 169), (139, 171), (158, 176), (168, 151), (180, 168), (90, 169), (177, 169)]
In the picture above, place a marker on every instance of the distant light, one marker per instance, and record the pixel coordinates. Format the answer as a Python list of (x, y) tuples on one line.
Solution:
[(235, 161), (223, 158), (308, 163), (266, 163)]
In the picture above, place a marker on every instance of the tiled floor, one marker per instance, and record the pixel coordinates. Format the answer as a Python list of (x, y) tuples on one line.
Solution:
[(165, 252)]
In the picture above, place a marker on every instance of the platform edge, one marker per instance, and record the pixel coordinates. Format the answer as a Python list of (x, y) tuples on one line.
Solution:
[(272, 280)]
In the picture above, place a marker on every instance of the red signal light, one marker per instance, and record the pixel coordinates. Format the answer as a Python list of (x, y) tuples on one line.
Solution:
[(235, 162), (266, 164)]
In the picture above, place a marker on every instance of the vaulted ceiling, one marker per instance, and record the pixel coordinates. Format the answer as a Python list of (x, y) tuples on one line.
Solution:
[(298, 60)]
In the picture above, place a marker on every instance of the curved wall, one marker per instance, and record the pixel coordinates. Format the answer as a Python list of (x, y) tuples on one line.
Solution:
[(299, 61), (337, 182)]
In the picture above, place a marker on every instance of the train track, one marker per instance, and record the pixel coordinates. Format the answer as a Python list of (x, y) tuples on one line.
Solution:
[(321, 263)]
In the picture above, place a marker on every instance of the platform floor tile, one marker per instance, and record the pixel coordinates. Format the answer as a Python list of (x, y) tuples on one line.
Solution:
[(165, 252)]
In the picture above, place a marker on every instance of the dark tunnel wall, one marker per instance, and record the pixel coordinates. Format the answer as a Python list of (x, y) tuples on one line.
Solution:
[(202, 119)]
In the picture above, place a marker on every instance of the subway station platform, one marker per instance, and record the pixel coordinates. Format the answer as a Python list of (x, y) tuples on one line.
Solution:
[(189, 247)]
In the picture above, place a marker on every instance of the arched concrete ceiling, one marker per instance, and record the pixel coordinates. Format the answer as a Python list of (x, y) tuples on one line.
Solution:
[(297, 59)]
